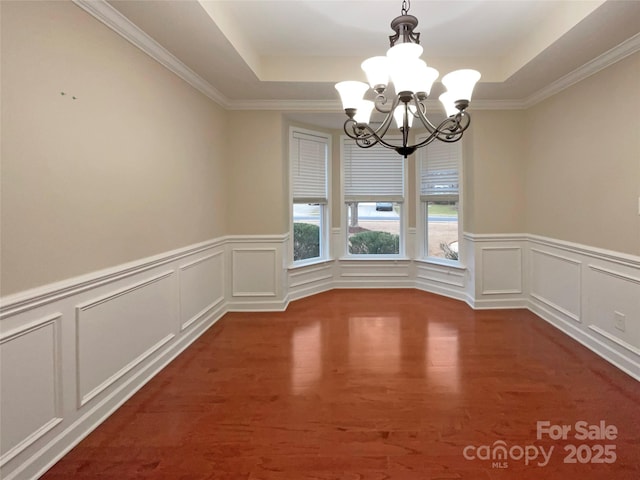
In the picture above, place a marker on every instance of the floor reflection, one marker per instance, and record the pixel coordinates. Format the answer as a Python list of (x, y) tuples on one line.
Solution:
[(442, 356), (374, 343), (306, 346)]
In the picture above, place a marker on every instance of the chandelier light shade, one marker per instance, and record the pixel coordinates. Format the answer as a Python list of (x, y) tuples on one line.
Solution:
[(412, 80)]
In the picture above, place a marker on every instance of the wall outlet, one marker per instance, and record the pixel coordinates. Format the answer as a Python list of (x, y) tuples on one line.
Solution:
[(619, 321)]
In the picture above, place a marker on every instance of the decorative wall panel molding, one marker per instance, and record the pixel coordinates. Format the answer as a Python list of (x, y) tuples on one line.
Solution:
[(31, 384), (501, 270), (201, 287), (613, 307), (310, 279), (555, 280), (254, 272), (127, 326), (139, 320)]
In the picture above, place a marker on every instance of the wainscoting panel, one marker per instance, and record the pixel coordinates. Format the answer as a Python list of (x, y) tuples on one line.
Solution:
[(374, 274), (254, 272), (310, 279), (201, 287), (501, 270), (257, 274), (116, 332), (555, 280), (444, 280), (30, 393), (496, 267), (613, 308)]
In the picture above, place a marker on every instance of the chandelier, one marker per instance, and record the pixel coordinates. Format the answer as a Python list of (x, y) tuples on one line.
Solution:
[(412, 80)]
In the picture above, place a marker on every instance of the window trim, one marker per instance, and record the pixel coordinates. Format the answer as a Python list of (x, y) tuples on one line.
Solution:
[(422, 224), (325, 216), (402, 250)]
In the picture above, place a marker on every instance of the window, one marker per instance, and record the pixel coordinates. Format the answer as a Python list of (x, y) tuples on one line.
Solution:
[(440, 199), (309, 153), (374, 195)]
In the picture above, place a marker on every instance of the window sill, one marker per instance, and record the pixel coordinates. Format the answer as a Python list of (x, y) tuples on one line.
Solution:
[(368, 258), (442, 263), (309, 263)]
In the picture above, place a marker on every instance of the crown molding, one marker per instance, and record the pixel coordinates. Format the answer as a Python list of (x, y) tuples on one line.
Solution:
[(289, 105), (336, 107), (617, 53), (496, 105), (113, 19), (120, 24)]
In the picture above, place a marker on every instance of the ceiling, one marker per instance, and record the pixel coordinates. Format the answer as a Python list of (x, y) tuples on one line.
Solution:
[(289, 54)]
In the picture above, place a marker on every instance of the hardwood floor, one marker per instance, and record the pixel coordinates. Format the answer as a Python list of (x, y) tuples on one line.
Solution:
[(371, 385)]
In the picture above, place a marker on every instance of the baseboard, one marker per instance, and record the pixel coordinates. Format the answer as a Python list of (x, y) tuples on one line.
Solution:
[(604, 351)]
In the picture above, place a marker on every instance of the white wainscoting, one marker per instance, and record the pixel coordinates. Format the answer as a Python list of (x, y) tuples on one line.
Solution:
[(447, 280), (591, 294), (497, 265), (118, 331), (307, 280), (377, 273), (584, 291), (555, 281), (31, 384), (71, 353), (201, 284), (257, 273)]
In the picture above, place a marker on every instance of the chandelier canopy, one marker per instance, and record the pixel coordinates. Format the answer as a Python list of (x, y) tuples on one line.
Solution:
[(412, 80)]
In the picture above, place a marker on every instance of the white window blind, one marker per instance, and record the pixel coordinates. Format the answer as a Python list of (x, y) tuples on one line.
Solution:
[(373, 174), (309, 168), (440, 171)]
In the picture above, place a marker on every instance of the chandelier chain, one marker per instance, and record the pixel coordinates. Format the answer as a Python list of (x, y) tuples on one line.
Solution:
[(406, 5)]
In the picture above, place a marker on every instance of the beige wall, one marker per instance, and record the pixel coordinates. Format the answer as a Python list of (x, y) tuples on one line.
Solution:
[(258, 188), (494, 172), (583, 166), (132, 168), (141, 163)]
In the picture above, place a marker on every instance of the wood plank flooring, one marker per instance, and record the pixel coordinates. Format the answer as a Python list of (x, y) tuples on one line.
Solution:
[(371, 385)]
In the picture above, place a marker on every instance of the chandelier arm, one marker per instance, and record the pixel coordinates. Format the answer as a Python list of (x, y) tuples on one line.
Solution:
[(453, 133), (381, 100), (376, 135), (360, 128), (448, 134), (420, 111)]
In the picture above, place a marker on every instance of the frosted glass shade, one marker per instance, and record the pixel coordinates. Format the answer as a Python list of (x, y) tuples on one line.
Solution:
[(377, 70), (425, 78), (363, 114), (405, 51), (460, 83), (398, 115), (448, 103), (405, 73), (351, 93)]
